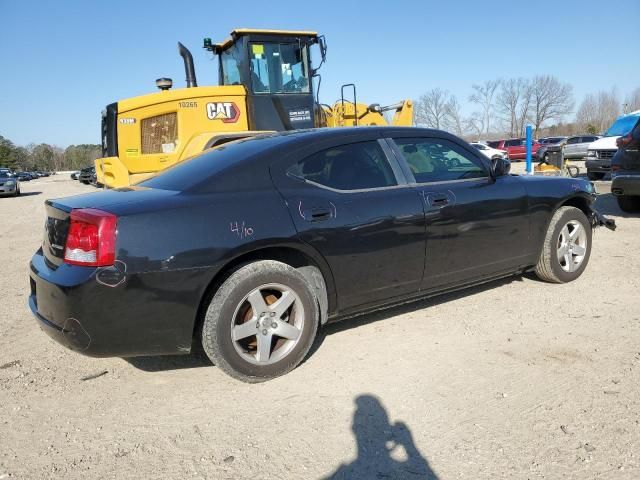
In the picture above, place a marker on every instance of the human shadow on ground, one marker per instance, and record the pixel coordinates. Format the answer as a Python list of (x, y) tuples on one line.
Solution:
[(384, 450)]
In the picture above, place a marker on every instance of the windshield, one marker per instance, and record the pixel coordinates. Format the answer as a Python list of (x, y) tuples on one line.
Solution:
[(279, 68), (622, 126)]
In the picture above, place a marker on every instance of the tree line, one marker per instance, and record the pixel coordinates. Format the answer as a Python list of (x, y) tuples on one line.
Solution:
[(46, 157), (504, 107)]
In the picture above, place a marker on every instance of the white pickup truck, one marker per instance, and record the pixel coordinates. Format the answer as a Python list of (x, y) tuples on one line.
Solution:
[(600, 152)]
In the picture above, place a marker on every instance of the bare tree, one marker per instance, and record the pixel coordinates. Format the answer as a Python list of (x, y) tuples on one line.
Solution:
[(431, 108), (597, 112), (551, 99), (475, 125), (513, 103), (454, 121), (632, 101), (483, 95)]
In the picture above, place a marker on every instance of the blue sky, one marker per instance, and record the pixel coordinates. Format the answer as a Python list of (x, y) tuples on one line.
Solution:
[(63, 61)]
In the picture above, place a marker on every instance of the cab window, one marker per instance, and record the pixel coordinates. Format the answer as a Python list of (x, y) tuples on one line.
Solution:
[(356, 166), (279, 68), (439, 160), (230, 62)]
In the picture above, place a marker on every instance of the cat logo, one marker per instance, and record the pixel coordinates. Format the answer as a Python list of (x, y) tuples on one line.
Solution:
[(228, 112)]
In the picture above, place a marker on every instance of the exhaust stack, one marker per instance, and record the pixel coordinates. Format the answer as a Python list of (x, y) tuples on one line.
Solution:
[(188, 65)]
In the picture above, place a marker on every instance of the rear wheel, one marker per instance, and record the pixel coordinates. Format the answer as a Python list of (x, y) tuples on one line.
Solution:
[(261, 322), (567, 246), (595, 175), (17, 194), (628, 203)]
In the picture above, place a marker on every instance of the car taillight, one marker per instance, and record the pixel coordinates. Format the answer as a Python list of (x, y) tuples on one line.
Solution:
[(91, 240), (615, 168), (624, 141)]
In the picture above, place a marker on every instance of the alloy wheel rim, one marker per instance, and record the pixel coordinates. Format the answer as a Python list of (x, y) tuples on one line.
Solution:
[(267, 324), (572, 246)]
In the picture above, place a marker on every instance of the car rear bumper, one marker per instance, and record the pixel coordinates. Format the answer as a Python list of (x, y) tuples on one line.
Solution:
[(105, 312), (623, 184)]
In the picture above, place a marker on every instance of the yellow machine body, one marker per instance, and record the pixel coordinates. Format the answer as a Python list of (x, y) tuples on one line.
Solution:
[(158, 130)]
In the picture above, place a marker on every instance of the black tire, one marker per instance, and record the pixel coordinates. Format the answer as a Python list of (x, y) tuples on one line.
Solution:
[(216, 331), (595, 175), (549, 267), (17, 194), (628, 203)]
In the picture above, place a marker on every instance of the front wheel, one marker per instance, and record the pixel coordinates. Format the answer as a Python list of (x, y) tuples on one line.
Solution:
[(567, 246), (261, 322)]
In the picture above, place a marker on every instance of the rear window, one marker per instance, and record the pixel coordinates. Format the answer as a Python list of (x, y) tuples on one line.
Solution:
[(356, 166), (494, 144), (189, 173)]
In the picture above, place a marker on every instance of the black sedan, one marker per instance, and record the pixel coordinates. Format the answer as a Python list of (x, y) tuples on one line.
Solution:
[(250, 247)]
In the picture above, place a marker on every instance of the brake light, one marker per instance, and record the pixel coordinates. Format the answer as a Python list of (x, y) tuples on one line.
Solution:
[(91, 240), (624, 141), (615, 168)]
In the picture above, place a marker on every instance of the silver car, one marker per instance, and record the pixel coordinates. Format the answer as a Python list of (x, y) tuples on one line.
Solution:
[(576, 147), (9, 185)]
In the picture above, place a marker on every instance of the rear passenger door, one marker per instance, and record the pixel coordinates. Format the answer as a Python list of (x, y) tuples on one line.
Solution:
[(351, 203), (475, 226)]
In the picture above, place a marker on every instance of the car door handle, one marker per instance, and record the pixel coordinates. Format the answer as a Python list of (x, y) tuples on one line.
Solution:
[(318, 214), (438, 200)]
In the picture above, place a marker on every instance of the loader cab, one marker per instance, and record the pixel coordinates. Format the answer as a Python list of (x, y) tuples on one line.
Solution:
[(275, 68)]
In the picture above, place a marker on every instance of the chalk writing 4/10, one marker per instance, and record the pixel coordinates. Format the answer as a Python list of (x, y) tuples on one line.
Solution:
[(241, 230)]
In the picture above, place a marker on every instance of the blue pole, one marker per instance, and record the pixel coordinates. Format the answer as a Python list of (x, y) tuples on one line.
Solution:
[(528, 144)]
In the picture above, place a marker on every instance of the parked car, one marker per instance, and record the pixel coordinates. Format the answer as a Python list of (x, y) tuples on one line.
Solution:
[(600, 152), (541, 153), (625, 171), (576, 147), (87, 175), (24, 176), (252, 246), (490, 152), (75, 175), (9, 184), (551, 140), (516, 147)]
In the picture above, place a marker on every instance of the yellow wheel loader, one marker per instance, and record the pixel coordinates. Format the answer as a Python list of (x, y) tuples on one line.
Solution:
[(266, 84)]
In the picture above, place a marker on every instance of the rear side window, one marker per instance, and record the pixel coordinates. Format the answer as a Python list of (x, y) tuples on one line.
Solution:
[(513, 143), (439, 160), (355, 166)]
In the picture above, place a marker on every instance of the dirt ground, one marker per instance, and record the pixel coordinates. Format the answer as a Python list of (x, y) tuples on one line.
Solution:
[(515, 379)]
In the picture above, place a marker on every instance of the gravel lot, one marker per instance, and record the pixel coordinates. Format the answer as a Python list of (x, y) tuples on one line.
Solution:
[(515, 379)]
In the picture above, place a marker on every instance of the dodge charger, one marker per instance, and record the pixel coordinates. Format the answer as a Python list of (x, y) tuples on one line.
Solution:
[(251, 247)]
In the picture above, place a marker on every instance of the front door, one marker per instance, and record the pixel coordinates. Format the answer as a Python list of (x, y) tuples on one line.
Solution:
[(351, 203), (476, 226)]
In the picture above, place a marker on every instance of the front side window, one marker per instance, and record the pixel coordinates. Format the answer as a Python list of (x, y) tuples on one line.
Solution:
[(230, 64), (356, 166), (439, 160), (279, 68)]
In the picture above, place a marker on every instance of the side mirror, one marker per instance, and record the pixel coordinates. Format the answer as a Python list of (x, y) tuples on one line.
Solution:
[(500, 167)]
